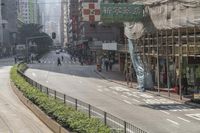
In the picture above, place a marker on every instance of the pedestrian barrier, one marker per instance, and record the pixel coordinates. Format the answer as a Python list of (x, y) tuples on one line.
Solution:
[(116, 124)]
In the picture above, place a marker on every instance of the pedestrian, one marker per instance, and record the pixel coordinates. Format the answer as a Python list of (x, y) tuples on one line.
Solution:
[(103, 62), (58, 62), (106, 64), (15, 59), (62, 58), (184, 84), (32, 58), (131, 75), (110, 64)]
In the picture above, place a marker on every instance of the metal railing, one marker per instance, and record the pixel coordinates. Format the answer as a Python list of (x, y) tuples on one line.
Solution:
[(117, 125)]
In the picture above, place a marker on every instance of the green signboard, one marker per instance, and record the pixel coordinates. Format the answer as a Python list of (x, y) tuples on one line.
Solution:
[(121, 12)]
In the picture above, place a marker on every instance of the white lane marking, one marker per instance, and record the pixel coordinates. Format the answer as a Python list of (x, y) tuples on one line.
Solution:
[(195, 116), (80, 82), (146, 95), (165, 112), (117, 88), (136, 100), (115, 92), (127, 102), (99, 86), (124, 96), (106, 89), (183, 119), (100, 90), (47, 81), (176, 123), (34, 75)]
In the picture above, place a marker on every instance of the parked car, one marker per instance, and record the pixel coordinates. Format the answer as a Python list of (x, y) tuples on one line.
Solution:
[(20, 57), (57, 51)]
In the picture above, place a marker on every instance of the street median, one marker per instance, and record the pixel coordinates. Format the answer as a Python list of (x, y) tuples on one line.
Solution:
[(59, 117)]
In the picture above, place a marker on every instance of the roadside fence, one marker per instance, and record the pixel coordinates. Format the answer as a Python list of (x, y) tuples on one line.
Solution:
[(116, 124)]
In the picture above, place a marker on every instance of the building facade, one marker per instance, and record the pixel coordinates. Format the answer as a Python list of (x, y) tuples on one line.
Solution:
[(8, 26), (63, 22), (29, 11)]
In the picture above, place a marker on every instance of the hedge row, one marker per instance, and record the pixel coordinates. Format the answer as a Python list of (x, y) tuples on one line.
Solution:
[(66, 116)]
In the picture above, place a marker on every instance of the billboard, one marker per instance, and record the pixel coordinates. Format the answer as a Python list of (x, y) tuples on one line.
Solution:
[(121, 12), (90, 12), (109, 46)]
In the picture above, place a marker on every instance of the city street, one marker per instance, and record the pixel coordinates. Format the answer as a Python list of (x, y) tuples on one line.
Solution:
[(148, 112), (14, 116)]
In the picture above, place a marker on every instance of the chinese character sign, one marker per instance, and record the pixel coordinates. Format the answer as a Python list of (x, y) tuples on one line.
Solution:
[(121, 12)]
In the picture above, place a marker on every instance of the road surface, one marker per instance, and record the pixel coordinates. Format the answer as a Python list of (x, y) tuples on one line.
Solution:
[(151, 113), (14, 116)]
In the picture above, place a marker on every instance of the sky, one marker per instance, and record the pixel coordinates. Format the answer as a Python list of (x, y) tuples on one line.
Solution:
[(51, 9)]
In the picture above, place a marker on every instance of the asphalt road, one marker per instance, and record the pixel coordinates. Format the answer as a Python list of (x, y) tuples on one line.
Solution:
[(14, 116), (151, 113)]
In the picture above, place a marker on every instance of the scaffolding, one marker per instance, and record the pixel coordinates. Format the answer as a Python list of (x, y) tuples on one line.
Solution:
[(172, 46)]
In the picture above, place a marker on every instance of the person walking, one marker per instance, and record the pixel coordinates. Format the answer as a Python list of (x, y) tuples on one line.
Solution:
[(131, 75), (58, 62), (111, 64), (62, 58), (15, 59), (184, 84), (106, 64)]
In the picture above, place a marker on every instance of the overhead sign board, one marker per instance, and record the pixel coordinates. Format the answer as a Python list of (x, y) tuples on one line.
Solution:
[(121, 12), (20, 47), (109, 46)]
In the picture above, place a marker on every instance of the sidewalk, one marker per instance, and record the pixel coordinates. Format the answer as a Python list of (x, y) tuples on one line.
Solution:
[(118, 77)]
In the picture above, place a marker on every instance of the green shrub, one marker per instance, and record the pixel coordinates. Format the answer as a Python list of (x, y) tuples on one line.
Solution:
[(64, 115)]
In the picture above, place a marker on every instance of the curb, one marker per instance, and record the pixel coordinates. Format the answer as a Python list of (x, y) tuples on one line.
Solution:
[(49, 122), (184, 102), (101, 75)]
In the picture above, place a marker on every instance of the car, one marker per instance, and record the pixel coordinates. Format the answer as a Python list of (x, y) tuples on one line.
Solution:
[(57, 52), (20, 57)]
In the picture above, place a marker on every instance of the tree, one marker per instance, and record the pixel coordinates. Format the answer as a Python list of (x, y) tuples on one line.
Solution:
[(34, 30)]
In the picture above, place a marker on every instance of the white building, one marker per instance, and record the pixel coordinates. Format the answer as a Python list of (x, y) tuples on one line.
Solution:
[(63, 22)]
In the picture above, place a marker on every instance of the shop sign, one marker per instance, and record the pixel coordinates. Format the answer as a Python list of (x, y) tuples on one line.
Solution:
[(109, 46), (90, 12), (121, 12), (20, 47), (197, 96)]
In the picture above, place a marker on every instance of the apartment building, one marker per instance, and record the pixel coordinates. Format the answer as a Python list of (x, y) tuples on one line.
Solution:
[(8, 26), (28, 11)]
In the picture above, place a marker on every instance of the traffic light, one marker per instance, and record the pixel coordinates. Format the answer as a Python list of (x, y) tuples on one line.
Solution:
[(53, 35)]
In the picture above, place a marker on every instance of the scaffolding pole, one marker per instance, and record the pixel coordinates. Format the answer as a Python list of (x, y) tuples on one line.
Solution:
[(180, 63), (167, 63), (158, 69)]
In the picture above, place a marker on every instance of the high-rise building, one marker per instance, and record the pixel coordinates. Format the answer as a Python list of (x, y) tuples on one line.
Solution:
[(8, 26), (28, 11), (63, 22)]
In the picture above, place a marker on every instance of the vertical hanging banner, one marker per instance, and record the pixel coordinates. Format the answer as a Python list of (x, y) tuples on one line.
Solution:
[(90, 11), (121, 12)]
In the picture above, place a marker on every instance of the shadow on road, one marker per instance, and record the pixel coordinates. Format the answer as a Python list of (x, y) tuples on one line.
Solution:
[(170, 107)]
